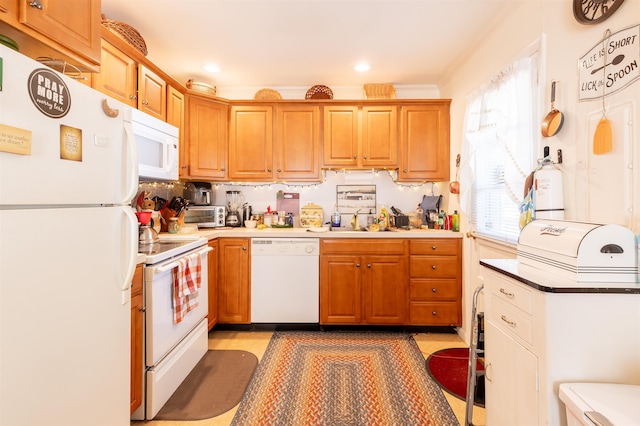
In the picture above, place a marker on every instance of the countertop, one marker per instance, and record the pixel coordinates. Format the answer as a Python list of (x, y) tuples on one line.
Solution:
[(305, 233), (547, 282)]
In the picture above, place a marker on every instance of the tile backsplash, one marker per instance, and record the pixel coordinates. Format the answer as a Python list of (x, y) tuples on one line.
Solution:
[(259, 196)]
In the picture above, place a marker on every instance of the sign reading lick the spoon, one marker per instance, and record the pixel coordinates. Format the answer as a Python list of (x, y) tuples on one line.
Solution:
[(612, 64)]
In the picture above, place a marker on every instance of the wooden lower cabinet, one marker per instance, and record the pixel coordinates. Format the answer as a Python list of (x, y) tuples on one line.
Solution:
[(435, 282), (363, 282), (137, 321), (212, 266), (234, 291)]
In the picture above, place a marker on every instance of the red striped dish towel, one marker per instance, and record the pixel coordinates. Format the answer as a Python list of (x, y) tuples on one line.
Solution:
[(186, 282)]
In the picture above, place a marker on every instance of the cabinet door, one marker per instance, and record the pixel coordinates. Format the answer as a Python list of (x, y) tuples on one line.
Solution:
[(118, 76), (511, 380), (424, 143), (234, 304), (384, 289), (340, 140), (206, 138), (340, 290), (175, 116), (5, 5), (297, 143), (152, 93), (137, 321), (251, 143), (212, 260), (77, 30), (379, 136)]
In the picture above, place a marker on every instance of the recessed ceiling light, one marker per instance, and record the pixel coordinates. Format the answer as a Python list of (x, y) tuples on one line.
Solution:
[(211, 68), (362, 67)]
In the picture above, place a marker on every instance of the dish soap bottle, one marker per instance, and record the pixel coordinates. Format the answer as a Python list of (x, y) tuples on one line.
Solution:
[(383, 218), (455, 221)]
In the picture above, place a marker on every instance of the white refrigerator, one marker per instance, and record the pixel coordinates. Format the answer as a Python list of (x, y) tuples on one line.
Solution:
[(68, 246)]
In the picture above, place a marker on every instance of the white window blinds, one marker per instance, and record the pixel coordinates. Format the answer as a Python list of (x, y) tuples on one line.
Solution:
[(498, 150)]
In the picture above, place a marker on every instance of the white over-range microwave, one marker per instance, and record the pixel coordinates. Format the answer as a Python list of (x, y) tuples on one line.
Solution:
[(157, 146)]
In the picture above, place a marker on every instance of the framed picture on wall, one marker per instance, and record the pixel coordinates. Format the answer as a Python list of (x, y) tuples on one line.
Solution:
[(351, 198)]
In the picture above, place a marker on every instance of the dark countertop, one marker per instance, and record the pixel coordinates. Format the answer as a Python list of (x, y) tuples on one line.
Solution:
[(548, 283)]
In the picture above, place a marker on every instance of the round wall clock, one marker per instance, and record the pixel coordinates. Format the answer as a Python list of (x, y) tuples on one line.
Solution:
[(594, 11)]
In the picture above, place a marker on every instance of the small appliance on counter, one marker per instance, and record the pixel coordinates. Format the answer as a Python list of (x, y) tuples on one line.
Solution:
[(585, 252), (206, 216), (235, 203), (199, 193)]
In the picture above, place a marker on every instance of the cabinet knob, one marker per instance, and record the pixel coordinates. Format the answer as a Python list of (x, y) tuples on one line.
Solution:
[(244, 248), (434, 313), (357, 265), (365, 157), (368, 265), (142, 309), (405, 170), (223, 169), (433, 267), (145, 102), (184, 167), (269, 170), (433, 247), (434, 290), (355, 156), (133, 97), (36, 4), (279, 170)]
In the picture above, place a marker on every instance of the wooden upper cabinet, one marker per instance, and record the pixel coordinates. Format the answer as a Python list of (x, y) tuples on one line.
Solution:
[(424, 142), (297, 143), (78, 29), (379, 136), (206, 139), (360, 137), (175, 117), (340, 142), (251, 143), (152, 93), (5, 5), (118, 76)]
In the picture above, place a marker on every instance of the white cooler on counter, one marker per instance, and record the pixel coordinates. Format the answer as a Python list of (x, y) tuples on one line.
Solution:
[(584, 252), (603, 404)]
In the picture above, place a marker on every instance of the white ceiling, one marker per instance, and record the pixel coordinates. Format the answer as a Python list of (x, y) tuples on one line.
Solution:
[(280, 43)]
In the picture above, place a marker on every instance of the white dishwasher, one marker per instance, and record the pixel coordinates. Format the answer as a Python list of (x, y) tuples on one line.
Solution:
[(285, 280)]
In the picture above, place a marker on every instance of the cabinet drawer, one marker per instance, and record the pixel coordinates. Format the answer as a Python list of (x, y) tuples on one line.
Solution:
[(434, 313), (362, 246), (433, 266), (435, 246), (511, 320), (511, 293), (433, 290)]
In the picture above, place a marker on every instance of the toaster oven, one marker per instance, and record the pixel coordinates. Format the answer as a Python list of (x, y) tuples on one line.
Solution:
[(206, 216)]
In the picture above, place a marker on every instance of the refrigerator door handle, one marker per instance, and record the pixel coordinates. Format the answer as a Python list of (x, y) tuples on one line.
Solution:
[(130, 250), (131, 168)]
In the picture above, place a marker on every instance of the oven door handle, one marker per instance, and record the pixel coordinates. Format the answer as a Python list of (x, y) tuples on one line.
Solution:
[(169, 266)]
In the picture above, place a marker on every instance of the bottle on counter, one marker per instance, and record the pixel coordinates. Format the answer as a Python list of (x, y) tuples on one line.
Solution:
[(383, 217), (441, 216), (455, 221), (335, 218), (420, 214)]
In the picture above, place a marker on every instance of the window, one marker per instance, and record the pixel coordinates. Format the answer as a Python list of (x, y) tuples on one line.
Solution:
[(498, 149)]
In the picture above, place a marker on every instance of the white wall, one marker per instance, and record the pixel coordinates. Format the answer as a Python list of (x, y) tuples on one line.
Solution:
[(587, 178)]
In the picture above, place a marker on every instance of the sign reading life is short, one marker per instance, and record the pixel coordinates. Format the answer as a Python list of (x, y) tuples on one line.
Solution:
[(49, 93), (611, 65)]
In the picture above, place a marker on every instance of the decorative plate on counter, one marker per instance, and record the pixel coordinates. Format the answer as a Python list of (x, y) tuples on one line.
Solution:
[(311, 215)]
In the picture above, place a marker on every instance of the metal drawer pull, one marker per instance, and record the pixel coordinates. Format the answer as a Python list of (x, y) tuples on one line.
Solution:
[(434, 290), (434, 313), (36, 4), (433, 247), (506, 293), (433, 267), (511, 323), (368, 265), (357, 265)]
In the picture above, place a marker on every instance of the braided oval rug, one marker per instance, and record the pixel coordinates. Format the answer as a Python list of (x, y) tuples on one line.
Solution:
[(343, 378)]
